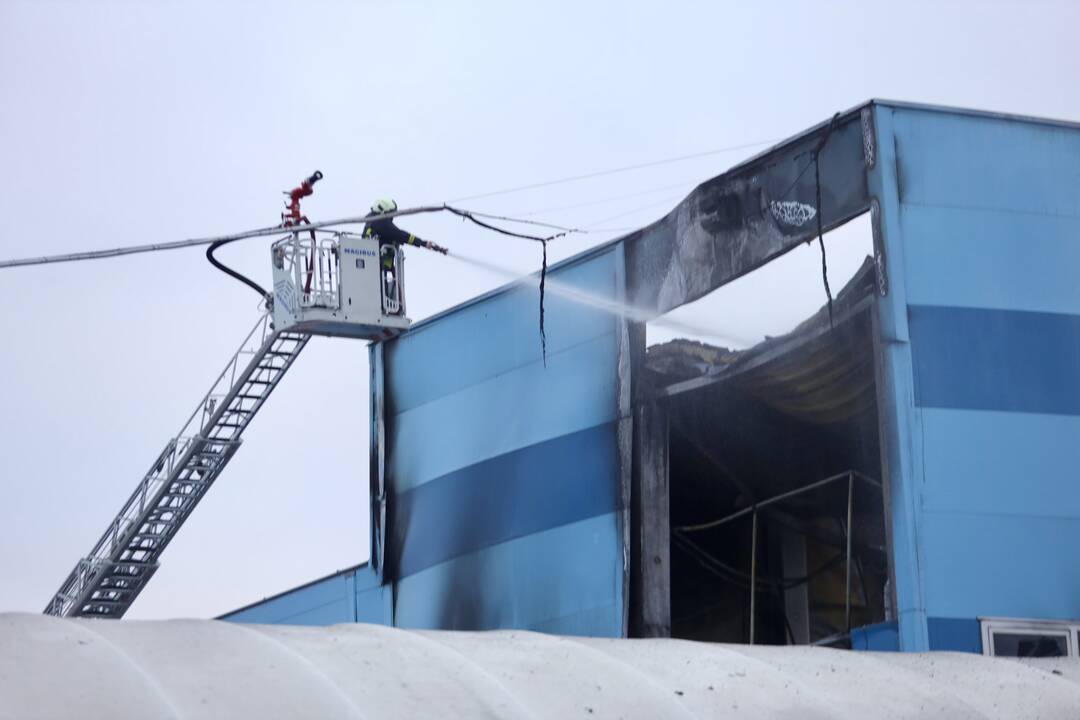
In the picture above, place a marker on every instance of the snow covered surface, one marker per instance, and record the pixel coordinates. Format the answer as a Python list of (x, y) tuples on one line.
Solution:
[(52, 667)]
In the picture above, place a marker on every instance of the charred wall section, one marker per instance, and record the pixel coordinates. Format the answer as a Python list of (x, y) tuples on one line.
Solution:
[(738, 221)]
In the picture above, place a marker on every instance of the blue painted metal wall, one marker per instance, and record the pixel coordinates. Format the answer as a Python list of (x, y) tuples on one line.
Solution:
[(502, 472), (353, 595), (980, 218)]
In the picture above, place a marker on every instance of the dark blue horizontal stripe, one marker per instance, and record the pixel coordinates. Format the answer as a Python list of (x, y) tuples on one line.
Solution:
[(956, 634), (995, 359), (536, 488)]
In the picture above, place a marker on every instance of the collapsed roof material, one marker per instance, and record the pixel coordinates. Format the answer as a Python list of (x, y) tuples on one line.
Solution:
[(820, 372)]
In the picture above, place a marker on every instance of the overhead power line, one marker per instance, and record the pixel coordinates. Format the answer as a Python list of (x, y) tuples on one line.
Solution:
[(591, 226), (613, 171), (604, 201)]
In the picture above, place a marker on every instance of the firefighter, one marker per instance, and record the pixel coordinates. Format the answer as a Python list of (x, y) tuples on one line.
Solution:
[(390, 237)]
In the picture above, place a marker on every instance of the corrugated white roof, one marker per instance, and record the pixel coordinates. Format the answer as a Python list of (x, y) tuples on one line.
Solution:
[(52, 667)]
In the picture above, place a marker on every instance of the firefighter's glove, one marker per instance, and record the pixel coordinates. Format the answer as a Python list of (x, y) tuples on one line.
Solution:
[(437, 248)]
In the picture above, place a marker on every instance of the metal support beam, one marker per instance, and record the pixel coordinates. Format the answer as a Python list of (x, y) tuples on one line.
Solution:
[(848, 531), (796, 598), (753, 574), (650, 587), (851, 474)]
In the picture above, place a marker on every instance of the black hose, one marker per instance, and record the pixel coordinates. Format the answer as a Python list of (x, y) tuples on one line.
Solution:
[(232, 273)]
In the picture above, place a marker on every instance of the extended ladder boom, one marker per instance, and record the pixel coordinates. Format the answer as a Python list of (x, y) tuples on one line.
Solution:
[(108, 580)]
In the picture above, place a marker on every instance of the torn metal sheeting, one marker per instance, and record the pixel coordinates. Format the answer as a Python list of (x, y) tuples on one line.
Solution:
[(738, 221)]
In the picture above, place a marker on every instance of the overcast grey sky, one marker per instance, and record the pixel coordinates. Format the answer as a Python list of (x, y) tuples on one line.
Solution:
[(132, 122)]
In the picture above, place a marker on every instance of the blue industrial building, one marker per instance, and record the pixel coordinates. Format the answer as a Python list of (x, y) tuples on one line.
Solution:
[(899, 472)]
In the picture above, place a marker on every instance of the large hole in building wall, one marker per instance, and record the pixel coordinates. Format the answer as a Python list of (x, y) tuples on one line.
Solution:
[(777, 514)]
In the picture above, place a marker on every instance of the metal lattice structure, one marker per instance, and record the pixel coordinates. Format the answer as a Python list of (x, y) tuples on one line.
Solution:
[(107, 581)]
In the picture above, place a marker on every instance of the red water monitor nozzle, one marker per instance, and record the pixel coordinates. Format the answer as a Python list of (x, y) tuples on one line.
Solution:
[(292, 215)]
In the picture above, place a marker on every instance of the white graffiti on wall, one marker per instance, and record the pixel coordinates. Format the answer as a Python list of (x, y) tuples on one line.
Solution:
[(790, 212)]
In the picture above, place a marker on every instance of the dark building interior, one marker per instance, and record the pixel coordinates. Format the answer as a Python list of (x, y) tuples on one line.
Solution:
[(773, 455)]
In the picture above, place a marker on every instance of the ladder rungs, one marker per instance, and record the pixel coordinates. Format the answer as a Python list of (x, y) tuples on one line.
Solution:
[(132, 564), (115, 592), (190, 481), (175, 493)]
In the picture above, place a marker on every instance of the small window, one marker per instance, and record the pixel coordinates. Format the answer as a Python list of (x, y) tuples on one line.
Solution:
[(1005, 637), (1010, 644)]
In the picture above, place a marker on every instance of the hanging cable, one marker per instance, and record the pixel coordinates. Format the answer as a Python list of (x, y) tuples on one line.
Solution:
[(508, 218), (543, 267), (543, 279), (818, 214)]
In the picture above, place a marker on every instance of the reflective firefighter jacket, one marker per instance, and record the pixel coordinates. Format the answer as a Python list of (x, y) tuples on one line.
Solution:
[(390, 234)]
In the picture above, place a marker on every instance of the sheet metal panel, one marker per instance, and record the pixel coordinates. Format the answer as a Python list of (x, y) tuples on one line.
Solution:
[(958, 161), (494, 460), (324, 602), (1000, 463), (353, 595), (977, 262), (562, 580), (545, 485), (972, 358), (505, 413), (1003, 564), (502, 335), (980, 215), (956, 634), (375, 605)]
